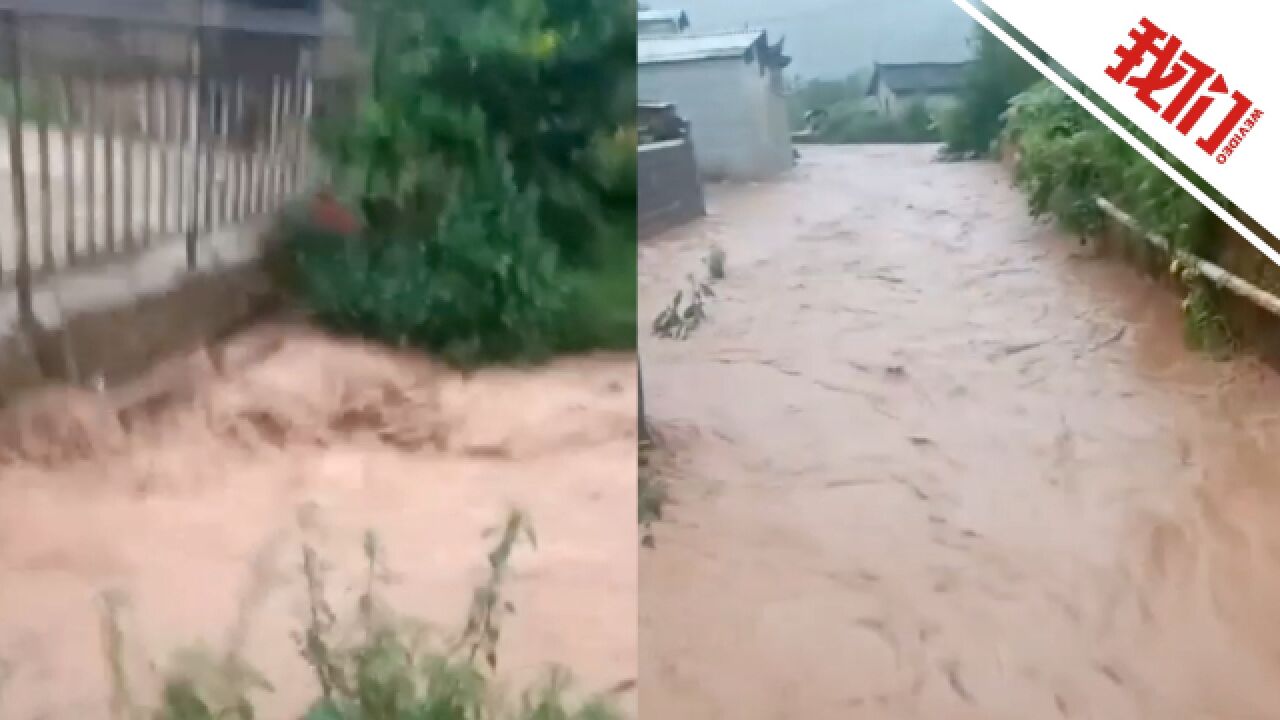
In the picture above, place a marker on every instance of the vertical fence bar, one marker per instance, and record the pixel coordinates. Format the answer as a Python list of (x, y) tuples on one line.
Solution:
[(109, 159), (242, 156), (166, 134), (218, 142), (273, 137), (288, 125), (304, 142), (47, 261), (183, 144), (18, 168), (148, 156), (261, 142), (285, 146), (128, 146), (223, 147), (69, 170), (193, 129), (91, 167), (209, 142)]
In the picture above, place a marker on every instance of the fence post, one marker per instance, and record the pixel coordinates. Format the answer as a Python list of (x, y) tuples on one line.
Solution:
[(194, 125), (22, 274), (307, 100), (91, 167), (109, 162), (68, 169)]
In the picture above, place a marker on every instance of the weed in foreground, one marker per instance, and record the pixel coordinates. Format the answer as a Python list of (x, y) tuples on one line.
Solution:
[(382, 666), (678, 320), (1204, 326)]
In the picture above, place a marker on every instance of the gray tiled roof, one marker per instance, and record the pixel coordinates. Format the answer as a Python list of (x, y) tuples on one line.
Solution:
[(918, 77)]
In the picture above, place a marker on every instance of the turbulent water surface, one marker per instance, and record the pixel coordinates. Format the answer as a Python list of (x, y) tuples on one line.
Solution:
[(192, 505), (933, 460)]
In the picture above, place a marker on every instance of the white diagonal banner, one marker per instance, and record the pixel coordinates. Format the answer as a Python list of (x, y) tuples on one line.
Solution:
[(1194, 76)]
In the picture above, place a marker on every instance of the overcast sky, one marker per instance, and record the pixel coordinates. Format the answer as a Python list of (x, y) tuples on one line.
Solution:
[(832, 38)]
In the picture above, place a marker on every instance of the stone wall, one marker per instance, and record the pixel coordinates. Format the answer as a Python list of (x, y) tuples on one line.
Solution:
[(669, 192)]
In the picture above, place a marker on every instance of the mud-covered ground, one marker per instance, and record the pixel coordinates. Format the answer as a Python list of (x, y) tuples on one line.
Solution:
[(933, 460), (191, 493)]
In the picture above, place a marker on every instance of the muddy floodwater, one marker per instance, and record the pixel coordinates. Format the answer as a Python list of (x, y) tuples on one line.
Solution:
[(194, 509), (931, 459)]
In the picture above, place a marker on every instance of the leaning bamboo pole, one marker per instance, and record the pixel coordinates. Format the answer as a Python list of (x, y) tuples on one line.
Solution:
[(1211, 272)]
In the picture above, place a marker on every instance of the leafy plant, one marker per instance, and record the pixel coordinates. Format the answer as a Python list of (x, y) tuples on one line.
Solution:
[(1204, 326), (382, 666), (973, 124), (493, 165), (553, 80), (818, 94), (484, 286), (1068, 158), (852, 122), (678, 320)]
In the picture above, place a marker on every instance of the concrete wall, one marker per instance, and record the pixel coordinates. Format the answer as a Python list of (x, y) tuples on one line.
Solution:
[(669, 192), (737, 116), (114, 321)]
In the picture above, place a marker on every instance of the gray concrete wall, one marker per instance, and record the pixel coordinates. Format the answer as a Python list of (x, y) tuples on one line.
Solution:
[(669, 192), (737, 116), (113, 321)]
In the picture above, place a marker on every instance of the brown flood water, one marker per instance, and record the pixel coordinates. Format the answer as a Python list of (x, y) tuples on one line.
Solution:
[(933, 460), (195, 511)]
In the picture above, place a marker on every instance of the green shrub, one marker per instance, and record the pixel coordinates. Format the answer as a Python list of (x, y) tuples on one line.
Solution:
[(852, 122), (817, 94), (484, 285), (555, 80), (493, 162), (995, 75), (1068, 158)]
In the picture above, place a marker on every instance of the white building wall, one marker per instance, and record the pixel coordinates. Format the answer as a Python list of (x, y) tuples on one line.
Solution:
[(775, 152), (739, 125)]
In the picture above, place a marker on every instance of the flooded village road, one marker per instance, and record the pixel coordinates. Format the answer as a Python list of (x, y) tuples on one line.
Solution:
[(931, 459)]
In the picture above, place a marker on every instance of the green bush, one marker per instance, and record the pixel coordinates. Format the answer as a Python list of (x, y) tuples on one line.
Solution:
[(995, 75), (554, 80), (817, 94), (852, 122), (1068, 158), (485, 285), (493, 162)]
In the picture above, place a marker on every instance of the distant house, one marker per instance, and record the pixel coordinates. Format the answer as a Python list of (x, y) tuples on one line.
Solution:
[(728, 86), (661, 22), (897, 86)]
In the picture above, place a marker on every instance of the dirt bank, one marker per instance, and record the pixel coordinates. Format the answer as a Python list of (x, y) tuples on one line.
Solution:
[(195, 500), (932, 460)]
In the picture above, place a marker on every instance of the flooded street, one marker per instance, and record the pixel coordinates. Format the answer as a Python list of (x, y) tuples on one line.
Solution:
[(195, 509), (932, 460)]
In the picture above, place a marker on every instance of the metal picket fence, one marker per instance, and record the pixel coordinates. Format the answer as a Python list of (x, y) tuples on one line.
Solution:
[(110, 151)]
